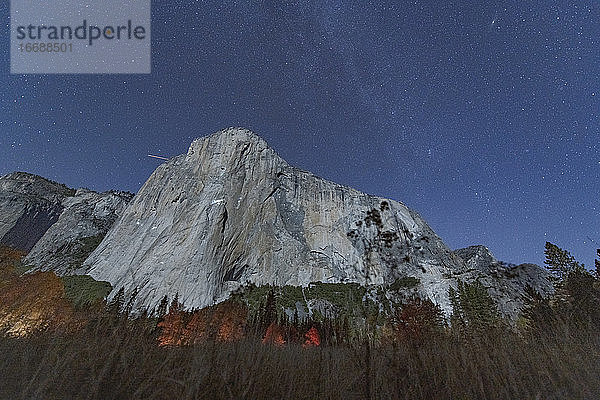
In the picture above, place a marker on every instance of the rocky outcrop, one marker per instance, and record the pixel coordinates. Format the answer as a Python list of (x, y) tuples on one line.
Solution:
[(478, 258), (86, 219), (29, 205), (232, 212), (505, 283)]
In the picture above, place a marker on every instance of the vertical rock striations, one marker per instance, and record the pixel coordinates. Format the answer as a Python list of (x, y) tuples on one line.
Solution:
[(231, 211), (29, 205), (86, 219)]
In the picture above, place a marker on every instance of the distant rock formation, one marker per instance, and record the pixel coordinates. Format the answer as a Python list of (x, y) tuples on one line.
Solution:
[(232, 212), (29, 205), (506, 284), (86, 219)]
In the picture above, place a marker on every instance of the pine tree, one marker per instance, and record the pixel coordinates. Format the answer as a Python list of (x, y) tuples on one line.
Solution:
[(115, 306), (270, 311), (472, 307), (129, 306), (371, 234), (539, 316), (376, 242), (560, 262), (162, 307), (583, 297), (597, 263), (576, 300), (175, 304)]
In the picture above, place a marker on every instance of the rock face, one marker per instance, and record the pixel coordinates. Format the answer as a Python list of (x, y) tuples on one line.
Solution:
[(29, 205), (506, 284), (478, 258), (231, 212), (86, 219)]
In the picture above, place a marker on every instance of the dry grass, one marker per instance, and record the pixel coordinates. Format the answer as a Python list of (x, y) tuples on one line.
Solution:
[(118, 359)]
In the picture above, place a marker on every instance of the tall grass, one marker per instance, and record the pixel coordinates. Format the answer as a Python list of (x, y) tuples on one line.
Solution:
[(120, 359)]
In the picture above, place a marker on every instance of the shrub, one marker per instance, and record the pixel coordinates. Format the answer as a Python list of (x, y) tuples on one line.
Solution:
[(83, 290)]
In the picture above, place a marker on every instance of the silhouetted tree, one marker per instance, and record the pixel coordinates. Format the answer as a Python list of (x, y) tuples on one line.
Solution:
[(583, 298), (576, 300), (163, 306), (375, 240), (537, 312), (115, 306), (559, 262), (472, 307), (419, 319), (597, 263), (270, 310)]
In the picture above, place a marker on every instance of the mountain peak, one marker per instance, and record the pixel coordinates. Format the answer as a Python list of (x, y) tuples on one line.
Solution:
[(230, 137), (232, 212), (237, 133), (25, 182), (233, 148)]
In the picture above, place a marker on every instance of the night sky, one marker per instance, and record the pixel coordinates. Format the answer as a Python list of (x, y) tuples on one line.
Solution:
[(483, 116)]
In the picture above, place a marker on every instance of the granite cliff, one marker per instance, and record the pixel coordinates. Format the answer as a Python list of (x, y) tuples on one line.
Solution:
[(57, 226), (86, 218), (29, 205), (232, 212)]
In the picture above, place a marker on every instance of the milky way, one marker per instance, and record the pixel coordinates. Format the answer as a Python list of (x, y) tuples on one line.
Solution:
[(483, 117)]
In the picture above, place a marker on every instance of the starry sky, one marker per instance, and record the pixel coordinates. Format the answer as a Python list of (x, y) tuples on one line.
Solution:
[(483, 116)]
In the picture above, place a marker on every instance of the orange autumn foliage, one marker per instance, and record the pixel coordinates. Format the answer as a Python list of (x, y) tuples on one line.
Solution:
[(418, 319), (35, 302), (274, 335), (224, 322), (172, 329), (313, 339), (233, 321)]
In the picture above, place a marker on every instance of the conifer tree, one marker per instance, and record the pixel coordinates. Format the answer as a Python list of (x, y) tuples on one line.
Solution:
[(583, 298), (559, 262), (115, 306), (539, 316), (270, 311), (162, 307), (472, 307), (597, 263)]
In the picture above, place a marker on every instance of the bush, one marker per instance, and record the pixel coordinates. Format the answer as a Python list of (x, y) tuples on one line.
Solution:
[(407, 282), (84, 291)]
